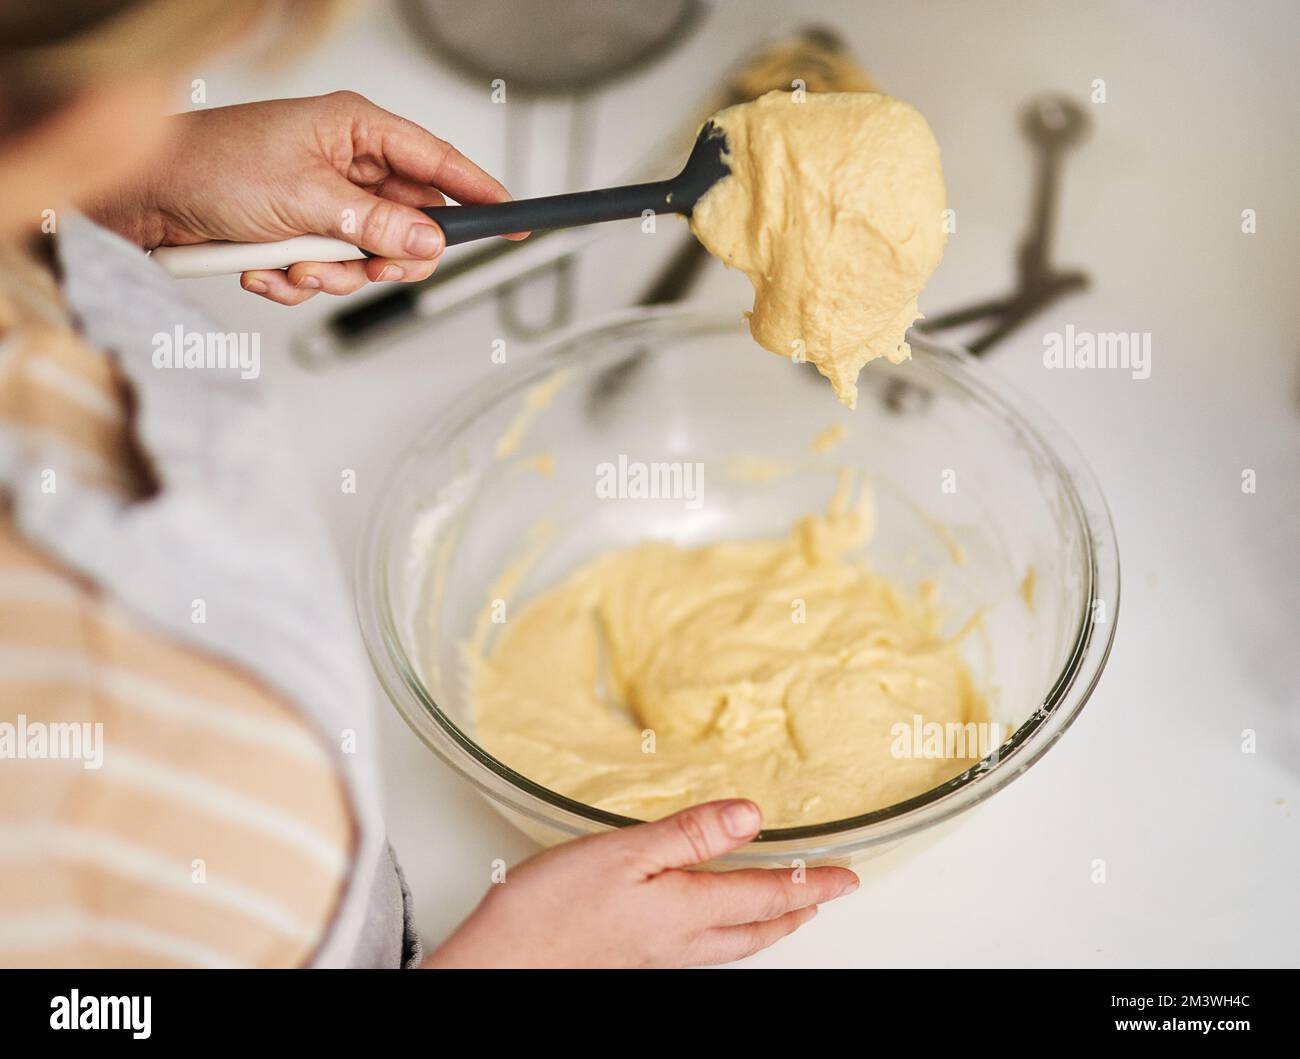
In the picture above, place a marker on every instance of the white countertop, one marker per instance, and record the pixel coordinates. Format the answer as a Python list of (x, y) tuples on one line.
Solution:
[(1201, 841)]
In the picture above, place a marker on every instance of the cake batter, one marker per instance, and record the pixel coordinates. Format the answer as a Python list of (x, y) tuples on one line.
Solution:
[(658, 677), (834, 209)]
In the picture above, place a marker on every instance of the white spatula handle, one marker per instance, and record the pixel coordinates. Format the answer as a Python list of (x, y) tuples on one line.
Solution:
[(225, 259)]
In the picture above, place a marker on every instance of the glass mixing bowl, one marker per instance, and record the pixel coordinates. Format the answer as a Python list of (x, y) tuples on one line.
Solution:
[(972, 487)]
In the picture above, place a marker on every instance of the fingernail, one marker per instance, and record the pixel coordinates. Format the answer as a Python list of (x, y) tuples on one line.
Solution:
[(423, 240), (256, 286), (741, 819), (848, 888), (391, 273), (309, 281)]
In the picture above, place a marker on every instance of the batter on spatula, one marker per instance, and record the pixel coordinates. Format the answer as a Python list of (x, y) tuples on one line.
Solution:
[(834, 209)]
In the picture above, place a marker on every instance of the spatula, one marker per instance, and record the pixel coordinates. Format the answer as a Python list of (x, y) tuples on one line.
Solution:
[(462, 224)]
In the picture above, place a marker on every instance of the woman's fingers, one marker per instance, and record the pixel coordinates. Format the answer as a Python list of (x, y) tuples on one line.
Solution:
[(756, 894), (415, 153), (332, 277), (397, 270), (386, 228), (727, 944), (297, 283), (409, 193), (690, 837), (273, 284), (300, 281)]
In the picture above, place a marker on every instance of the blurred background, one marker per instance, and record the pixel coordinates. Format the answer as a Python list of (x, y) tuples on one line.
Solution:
[(1178, 117)]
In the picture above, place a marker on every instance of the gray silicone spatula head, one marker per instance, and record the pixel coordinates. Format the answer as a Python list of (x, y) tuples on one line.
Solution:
[(704, 168)]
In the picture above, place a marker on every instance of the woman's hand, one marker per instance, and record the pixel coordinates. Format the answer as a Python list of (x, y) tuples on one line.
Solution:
[(332, 165), (621, 900)]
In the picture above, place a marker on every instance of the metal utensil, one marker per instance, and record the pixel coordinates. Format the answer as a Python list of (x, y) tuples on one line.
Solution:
[(558, 48), (1054, 125)]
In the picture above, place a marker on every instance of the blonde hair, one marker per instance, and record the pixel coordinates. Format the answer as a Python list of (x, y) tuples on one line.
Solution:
[(51, 51)]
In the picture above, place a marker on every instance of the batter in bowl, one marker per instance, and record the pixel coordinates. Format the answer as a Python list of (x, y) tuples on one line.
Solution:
[(778, 670), (835, 210)]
